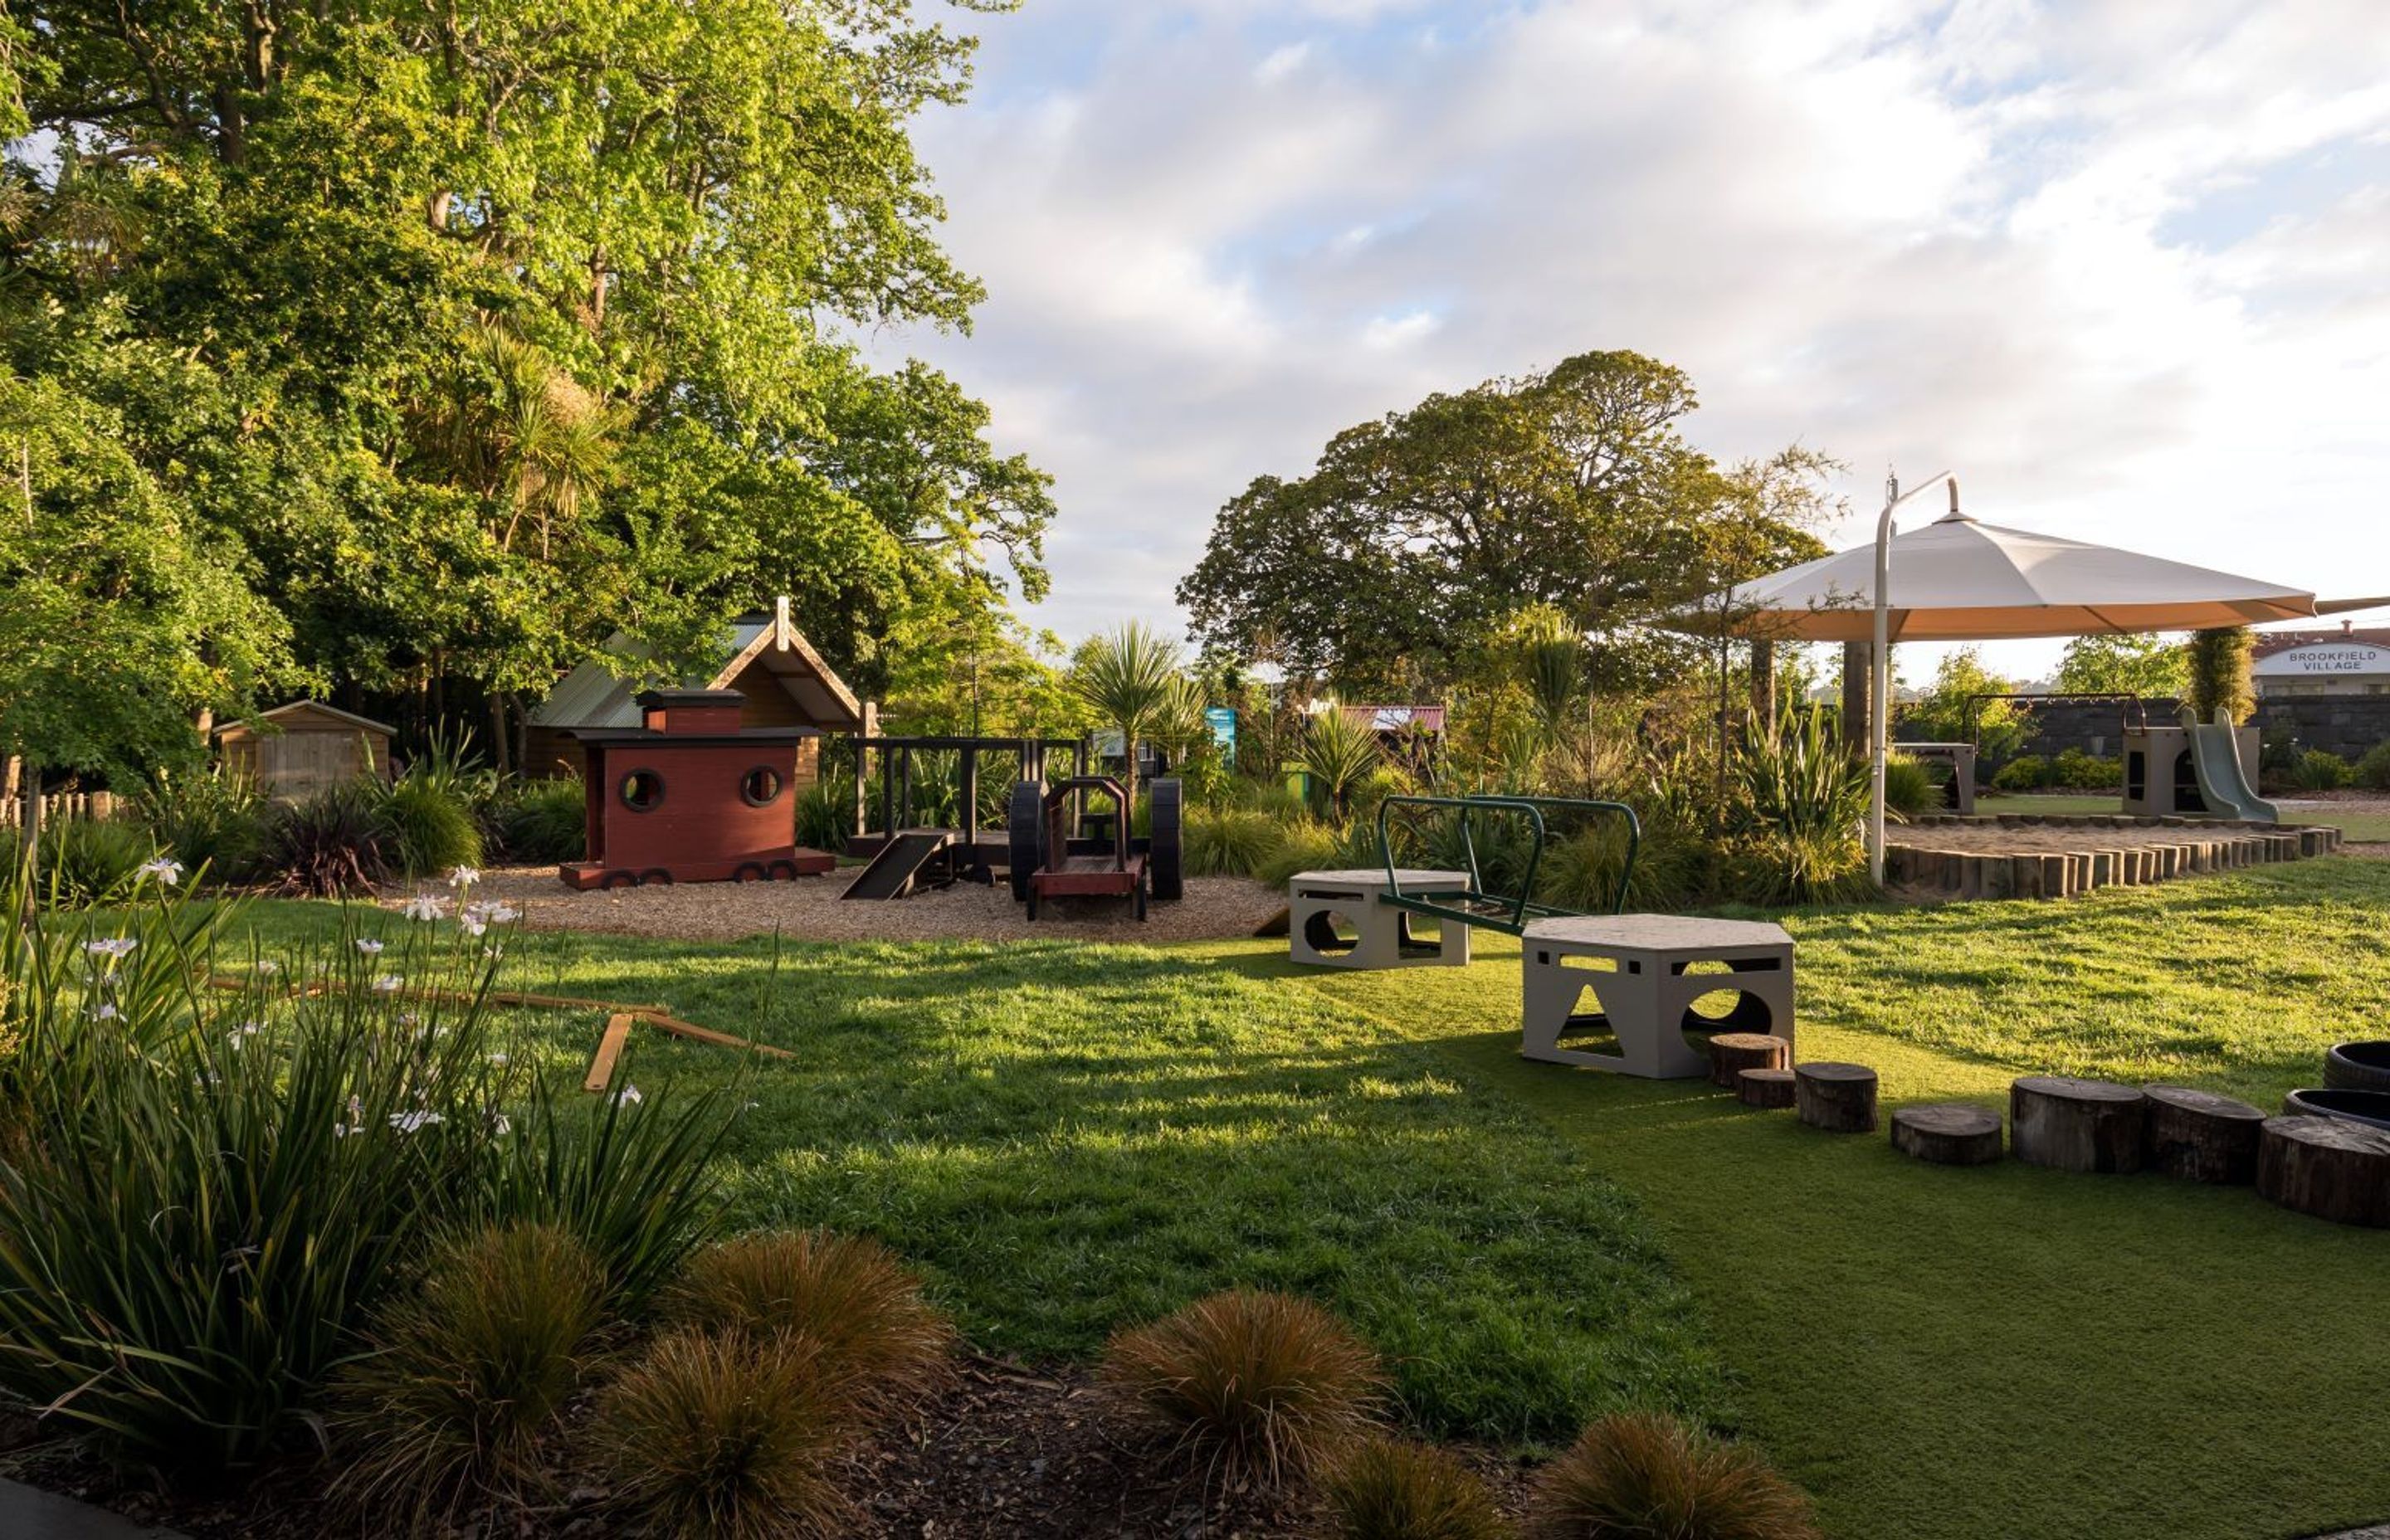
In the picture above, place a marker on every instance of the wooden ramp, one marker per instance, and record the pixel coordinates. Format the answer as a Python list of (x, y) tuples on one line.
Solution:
[(892, 871)]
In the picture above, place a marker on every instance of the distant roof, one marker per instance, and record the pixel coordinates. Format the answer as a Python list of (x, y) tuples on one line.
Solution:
[(280, 715), (1393, 719), (594, 697)]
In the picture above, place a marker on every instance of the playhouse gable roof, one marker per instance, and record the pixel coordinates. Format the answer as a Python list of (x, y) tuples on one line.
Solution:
[(763, 654)]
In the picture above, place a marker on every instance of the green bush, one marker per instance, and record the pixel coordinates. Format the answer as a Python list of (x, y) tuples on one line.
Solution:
[(1229, 842), (1909, 788), (84, 861), (2076, 771), (214, 821), (541, 821), (826, 817), (1277, 799), (1801, 802), (461, 1377), (2320, 770), (428, 827), (288, 1153), (2219, 673), (2024, 773), (329, 843), (1300, 848), (2373, 771)]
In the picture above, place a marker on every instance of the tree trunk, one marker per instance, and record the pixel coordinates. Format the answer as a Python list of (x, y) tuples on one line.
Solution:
[(501, 743), (2201, 1135), (2327, 1167), (1763, 684), (1857, 702), (1764, 1087), (2088, 1126), (29, 838), (1733, 1052), (1837, 1097), (1948, 1133)]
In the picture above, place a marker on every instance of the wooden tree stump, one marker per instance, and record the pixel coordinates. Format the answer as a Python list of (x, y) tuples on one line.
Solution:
[(1733, 1052), (1948, 1133), (1764, 1087), (2076, 1124), (2202, 1137), (2327, 1167), (1837, 1097)]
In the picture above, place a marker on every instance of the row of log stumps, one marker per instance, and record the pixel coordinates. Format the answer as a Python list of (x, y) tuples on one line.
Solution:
[(2327, 1167), (2187, 848)]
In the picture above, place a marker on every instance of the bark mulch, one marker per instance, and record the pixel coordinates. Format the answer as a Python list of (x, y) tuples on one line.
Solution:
[(1007, 1452)]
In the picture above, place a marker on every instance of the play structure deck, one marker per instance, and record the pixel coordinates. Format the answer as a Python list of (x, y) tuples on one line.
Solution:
[(903, 838)]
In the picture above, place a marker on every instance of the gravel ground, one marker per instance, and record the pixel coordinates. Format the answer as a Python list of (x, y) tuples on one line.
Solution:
[(2026, 837), (809, 909)]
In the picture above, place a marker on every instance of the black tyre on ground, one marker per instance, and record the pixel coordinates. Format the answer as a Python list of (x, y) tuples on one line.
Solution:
[(1024, 827), (1167, 844)]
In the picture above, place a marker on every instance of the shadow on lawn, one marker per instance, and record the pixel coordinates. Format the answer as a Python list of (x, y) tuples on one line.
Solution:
[(1072, 1138)]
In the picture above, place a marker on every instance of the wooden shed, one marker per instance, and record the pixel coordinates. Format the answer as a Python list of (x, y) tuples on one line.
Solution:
[(784, 683), (303, 747)]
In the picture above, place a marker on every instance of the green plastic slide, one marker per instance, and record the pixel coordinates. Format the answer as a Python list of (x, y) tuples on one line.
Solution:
[(2216, 757)]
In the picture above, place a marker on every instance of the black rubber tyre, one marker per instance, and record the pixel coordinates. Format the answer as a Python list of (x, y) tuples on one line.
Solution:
[(1141, 900), (621, 879), (1031, 896), (1166, 846), (2366, 1107), (2359, 1067), (751, 871), (1025, 836)]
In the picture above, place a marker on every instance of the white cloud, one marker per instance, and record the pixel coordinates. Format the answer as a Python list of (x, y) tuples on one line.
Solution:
[(2068, 249)]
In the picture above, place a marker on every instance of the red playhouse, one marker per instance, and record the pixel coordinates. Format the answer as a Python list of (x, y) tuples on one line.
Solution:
[(691, 796)]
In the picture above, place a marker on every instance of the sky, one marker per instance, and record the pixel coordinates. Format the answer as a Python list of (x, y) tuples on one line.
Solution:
[(2122, 267)]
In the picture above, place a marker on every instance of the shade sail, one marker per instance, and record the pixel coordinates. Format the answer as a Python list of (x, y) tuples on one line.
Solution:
[(1956, 580)]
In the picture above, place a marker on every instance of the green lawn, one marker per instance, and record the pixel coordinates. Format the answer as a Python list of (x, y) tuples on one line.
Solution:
[(2358, 824), (1070, 1137)]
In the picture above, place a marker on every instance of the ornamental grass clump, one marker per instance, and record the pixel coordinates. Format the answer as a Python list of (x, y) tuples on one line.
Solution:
[(1645, 1476), (849, 1294), (207, 1192), (1251, 1384), (459, 1378), (1229, 842), (1397, 1489), (726, 1434)]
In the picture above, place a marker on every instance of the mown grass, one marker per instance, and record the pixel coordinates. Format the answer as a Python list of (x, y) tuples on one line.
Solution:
[(1070, 1137), (1069, 1140), (2007, 1350)]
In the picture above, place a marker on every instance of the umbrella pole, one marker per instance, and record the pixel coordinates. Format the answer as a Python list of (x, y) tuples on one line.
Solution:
[(1880, 717)]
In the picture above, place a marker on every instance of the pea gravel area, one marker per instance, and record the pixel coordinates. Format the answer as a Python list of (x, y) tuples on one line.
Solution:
[(809, 908)]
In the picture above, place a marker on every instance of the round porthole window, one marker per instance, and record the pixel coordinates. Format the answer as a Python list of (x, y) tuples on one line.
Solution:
[(642, 791), (760, 785)]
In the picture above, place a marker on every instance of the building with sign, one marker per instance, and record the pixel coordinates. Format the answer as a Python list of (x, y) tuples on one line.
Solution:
[(2347, 662)]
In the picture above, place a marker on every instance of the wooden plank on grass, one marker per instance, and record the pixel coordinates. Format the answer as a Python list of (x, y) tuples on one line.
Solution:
[(610, 1049)]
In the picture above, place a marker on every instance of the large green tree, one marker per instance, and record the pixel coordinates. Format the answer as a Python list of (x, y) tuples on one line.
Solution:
[(1417, 536), (525, 317)]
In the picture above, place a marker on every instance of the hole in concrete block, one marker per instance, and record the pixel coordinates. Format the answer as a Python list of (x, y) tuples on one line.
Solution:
[(1419, 935), (1329, 931), (1728, 1010), (1588, 1028)]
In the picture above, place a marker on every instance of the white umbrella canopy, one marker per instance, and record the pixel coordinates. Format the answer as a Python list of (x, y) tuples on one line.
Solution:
[(1957, 579)]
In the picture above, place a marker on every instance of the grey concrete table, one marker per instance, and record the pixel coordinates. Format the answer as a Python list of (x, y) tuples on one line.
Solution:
[(1372, 935), (1645, 972)]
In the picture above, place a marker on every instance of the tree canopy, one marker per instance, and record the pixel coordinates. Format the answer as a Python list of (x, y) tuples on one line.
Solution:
[(458, 335), (1417, 536)]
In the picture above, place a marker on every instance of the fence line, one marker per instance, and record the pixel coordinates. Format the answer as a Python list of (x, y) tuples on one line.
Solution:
[(59, 807)]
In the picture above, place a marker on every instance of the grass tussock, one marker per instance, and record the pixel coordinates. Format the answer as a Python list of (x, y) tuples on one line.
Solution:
[(1252, 1384), (1395, 1489), (1644, 1476), (724, 1434), (463, 1375), (849, 1294)]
